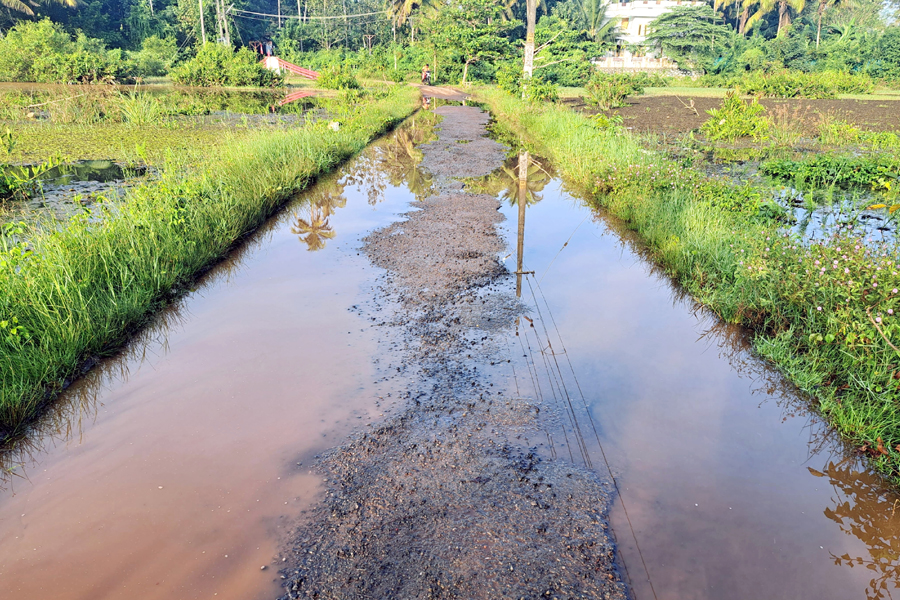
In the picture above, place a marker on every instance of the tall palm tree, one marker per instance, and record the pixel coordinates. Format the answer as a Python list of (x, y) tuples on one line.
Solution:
[(512, 8), (400, 10), (743, 5), (599, 27), (820, 12), (22, 7), (784, 15)]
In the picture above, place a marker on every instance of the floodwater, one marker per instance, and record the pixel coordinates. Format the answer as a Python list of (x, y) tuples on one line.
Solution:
[(174, 469), (729, 487)]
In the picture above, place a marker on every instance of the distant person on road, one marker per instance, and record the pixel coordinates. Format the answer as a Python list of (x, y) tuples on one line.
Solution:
[(268, 47), (426, 75)]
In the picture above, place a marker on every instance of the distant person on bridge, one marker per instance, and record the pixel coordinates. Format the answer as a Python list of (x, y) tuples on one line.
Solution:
[(426, 75), (268, 47)]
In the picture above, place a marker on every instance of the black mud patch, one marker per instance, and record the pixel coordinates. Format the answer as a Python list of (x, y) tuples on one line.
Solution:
[(445, 499)]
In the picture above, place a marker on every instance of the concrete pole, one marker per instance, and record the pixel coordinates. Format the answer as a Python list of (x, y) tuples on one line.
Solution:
[(202, 23), (531, 19)]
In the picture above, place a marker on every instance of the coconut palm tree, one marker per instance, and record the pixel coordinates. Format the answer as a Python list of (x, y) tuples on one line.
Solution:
[(400, 10), (22, 7), (743, 5), (823, 6), (600, 28), (784, 15)]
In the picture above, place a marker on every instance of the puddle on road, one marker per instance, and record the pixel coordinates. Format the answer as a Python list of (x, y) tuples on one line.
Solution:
[(171, 471), (732, 488)]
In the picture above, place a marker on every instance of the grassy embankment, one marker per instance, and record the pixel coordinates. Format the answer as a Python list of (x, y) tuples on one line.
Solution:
[(826, 313), (78, 291)]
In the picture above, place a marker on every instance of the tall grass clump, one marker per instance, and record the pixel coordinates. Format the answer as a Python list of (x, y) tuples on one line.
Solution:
[(826, 312), (74, 292)]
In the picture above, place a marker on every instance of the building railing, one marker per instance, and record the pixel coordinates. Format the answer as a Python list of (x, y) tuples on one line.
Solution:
[(633, 62), (660, 2)]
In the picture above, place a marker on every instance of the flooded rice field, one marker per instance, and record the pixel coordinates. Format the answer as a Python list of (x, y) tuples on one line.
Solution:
[(446, 437)]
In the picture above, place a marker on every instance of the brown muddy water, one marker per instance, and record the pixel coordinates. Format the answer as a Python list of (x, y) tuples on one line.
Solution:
[(171, 471), (729, 487)]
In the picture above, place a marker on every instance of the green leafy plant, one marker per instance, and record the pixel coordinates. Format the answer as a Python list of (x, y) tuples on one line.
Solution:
[(337, 78), (610, 90), (875, 171), (218, 65), (139, 108), (736, 119)]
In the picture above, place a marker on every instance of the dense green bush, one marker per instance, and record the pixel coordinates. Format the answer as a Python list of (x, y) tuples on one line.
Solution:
[(796, 84), (845, 171), (40, 51), (218, 65), (155, 58), (609, 90), (735, 119), (337, 78), (511, 79)]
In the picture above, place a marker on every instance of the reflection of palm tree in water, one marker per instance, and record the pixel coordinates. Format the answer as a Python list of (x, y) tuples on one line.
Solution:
[(504, 183), (314, 230), (323, 199), (865, 510), (395, 160)]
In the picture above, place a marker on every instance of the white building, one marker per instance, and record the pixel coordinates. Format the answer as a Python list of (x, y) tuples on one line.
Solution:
[(633, 18)]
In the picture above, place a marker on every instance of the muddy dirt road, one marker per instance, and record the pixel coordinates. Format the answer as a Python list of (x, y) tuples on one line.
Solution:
[(440, 501), (360, 325)]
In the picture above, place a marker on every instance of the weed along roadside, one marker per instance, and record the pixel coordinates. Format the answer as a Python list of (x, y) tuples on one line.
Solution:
[(822, 310), (72, 293)]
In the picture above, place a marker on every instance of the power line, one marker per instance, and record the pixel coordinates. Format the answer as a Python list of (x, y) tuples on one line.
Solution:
[(302, 18)]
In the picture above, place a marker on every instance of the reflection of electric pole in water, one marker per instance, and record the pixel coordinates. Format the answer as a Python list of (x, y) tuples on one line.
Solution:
[(523, 200)]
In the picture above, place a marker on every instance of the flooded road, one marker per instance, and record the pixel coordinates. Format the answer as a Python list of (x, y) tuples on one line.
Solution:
[(732, 489), (176, 469), (172, 470)]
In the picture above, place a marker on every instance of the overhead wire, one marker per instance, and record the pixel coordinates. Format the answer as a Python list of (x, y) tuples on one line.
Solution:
[(306, 18), (591, 419)]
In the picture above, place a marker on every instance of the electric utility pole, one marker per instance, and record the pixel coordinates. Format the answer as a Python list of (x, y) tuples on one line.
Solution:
[(531, 18), (202, 24)]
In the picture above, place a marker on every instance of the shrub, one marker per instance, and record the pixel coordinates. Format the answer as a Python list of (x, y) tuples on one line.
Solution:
[(735, 119), (218, 65), (836, 132), (509, 77), (609, 90), (538, 90), (42, 52), (796, 84), (337, 78), (156, 56), (511, 80)]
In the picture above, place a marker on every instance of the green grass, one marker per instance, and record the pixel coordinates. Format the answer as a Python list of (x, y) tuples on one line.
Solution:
[(826, 314), (80, 290)]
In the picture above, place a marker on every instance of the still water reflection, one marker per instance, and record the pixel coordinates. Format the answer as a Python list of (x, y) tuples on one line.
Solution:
[(173, 469), (729, 486), (170, 471)]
